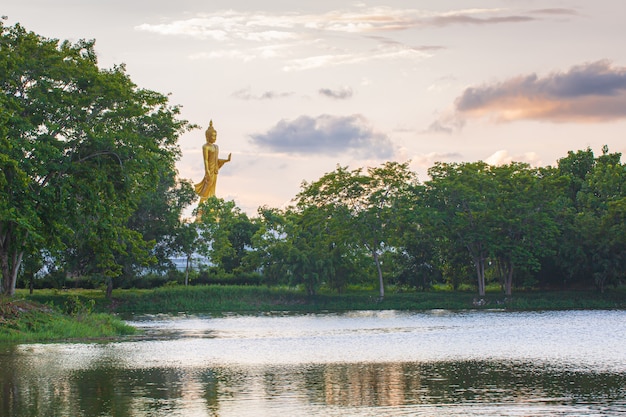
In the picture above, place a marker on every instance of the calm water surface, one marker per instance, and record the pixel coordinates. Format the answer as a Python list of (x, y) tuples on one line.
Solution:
[(387, 363)]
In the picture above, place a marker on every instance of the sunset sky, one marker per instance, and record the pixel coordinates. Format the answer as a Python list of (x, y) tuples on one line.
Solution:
[(296, 88)]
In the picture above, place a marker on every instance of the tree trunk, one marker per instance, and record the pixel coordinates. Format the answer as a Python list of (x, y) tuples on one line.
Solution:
[(479, 263), (4, 271), (17, 261), (9, 269), (187, 270), (380, 274), (10, 261), (109, 292), (508, 279)]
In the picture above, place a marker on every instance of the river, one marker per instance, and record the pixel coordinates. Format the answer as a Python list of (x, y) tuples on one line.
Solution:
[(367, 363)]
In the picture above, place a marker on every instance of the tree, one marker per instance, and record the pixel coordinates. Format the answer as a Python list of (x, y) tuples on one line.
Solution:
[(311, 244), (598, 221), (361, 205), (461, 200), (524, 219), (81, 146), (498, 213), (589, 247), (158, 218), (575, 167), (228, 232), (187, 242), (272, 245)]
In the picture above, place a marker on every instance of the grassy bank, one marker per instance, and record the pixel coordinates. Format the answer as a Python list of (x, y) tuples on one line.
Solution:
[(86, 314), (218, 299), (26, 321)]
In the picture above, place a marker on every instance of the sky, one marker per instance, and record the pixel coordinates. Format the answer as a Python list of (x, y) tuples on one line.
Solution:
[(295, 89)]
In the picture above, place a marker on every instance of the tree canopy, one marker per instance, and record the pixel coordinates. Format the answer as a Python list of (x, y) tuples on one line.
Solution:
[(81, 147)]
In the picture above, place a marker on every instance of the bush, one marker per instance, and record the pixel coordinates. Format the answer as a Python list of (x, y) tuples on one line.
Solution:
[(75, 306), (213, 277)]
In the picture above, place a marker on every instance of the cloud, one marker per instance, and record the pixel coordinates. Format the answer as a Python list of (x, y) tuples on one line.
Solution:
[(588, 93), (263, 26), (382, 53), (246, 94), (227, 25), (448, 122), (337, 37), (439, 126), (473, 20), (422, 162), (503, 157), (326, 135), (556, 12), (342, 93)]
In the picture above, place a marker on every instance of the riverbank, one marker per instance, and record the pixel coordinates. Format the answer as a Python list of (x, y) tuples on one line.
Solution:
[(29, 321), (80, 314), (246, 299)]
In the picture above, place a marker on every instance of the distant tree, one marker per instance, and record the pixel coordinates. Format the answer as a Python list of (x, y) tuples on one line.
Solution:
[(360, 206), (524, 219), (500, 214), (598, 221), (461, 198), (228, 232), (80, 148), (186, 241), (575, 167), (272, 245), (158, 217)]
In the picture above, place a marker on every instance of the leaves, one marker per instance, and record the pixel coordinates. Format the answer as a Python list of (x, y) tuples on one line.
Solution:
[(84, 145)]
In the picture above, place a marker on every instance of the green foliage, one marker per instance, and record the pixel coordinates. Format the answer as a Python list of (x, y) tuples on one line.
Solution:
[(227, 233), (89, 189), (232, 298), (502, 215), (592, 249), (24, 321), (81, 148), (75, 306), (359, 210)]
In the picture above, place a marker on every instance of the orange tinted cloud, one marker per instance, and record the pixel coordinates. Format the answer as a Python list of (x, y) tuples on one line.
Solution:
[(594, 92)]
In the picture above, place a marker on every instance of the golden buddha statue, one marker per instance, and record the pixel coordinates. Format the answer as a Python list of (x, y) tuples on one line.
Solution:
[(212, 164)]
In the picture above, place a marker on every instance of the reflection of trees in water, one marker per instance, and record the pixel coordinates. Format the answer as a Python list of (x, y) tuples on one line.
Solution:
[(367, 385), (467, 381), (26, 390)]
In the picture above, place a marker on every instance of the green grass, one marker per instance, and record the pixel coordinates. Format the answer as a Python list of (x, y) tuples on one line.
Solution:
[(27, 321), (86, 314), (232, 298)]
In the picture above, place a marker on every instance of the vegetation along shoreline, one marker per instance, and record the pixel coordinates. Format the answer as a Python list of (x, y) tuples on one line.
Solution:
[(52, 315)]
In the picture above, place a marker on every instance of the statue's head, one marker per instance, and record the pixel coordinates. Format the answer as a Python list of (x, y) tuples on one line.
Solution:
[(211, 133)]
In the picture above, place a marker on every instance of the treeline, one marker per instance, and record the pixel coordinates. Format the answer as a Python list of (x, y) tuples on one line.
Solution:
[(470, 224), (89, 195)]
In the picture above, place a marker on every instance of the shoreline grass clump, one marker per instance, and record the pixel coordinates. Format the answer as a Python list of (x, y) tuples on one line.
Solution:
[(28, 321)]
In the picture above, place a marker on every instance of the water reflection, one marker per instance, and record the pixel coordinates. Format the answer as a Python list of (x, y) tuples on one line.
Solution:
[(308, 390), (128, 379)]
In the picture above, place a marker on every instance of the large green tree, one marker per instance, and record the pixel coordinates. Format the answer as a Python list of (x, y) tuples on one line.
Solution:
[(362, 206), (598, 221), (500, 214), (523, 218), (460, 199), (590, 249), (80, 148)]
